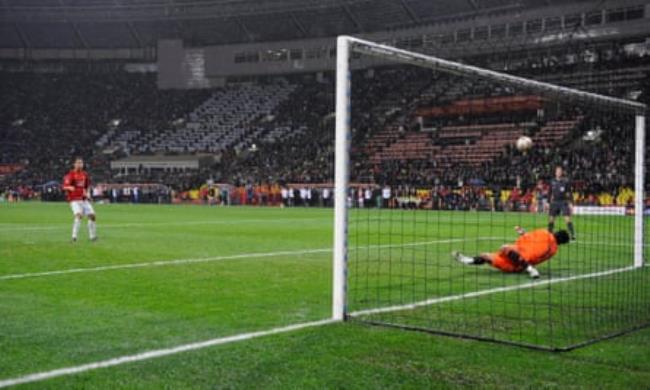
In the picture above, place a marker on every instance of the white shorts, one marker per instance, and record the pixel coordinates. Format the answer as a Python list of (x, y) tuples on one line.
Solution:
[(82, 207)]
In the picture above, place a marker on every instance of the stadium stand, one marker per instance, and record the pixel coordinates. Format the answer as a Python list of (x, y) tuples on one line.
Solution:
[(47, 119), (224, 120), (290, 124)]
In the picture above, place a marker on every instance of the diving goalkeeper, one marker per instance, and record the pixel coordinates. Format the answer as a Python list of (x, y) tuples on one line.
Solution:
[(529, 250)]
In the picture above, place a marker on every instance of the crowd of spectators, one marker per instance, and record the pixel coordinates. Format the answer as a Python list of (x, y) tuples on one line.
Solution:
[(48, 119)]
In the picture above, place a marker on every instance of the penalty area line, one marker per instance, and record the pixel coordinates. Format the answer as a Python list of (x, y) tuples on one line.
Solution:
[(154, 354), (9, 228), (161, 263), (241, 256)]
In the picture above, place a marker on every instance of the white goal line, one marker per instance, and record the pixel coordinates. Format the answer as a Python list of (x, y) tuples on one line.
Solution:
[(148, 355), (474, 294), (240, 256)]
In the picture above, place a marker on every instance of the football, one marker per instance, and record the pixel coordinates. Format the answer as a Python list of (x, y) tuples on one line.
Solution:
[(524, 143)]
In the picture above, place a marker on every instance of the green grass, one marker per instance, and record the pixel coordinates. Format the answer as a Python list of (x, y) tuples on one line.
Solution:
[(56, 321), (415, 266)]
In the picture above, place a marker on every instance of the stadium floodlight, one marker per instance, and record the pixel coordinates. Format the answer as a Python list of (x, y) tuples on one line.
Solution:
[(393, 264)]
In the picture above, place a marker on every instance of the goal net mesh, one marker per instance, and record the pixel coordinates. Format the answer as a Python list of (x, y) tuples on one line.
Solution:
[(434, 170)]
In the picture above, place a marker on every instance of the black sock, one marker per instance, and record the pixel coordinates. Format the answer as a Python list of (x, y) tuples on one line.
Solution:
[(478, 260), (551, 226), (571, 231)]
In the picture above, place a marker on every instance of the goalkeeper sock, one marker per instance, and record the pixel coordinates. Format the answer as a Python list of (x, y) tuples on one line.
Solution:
[(75, 228), (551, 226), (571, 231), (478, 260), (532, 272), (92, 229)]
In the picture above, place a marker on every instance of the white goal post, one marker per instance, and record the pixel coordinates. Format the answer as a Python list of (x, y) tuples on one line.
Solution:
[(347, 45)]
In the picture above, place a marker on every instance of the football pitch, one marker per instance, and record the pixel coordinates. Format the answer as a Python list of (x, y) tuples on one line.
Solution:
[(162, 278)]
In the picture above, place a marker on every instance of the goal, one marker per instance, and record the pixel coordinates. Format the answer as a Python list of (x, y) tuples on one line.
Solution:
[(425, 166)]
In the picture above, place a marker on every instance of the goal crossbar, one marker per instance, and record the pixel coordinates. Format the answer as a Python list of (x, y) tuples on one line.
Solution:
[(544, 89)]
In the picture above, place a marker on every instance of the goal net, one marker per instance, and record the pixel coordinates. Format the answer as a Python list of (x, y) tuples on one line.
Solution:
[(430, 186)]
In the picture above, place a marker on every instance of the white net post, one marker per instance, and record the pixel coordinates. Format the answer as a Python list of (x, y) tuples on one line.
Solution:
[(639, 165), (342, 157)]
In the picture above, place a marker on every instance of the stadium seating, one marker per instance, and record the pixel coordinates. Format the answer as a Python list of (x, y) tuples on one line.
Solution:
[(222, 121), (291, 124), (412, 146), (554, 131)]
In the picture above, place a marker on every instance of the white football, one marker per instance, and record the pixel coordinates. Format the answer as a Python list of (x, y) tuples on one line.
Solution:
[(524, 143)]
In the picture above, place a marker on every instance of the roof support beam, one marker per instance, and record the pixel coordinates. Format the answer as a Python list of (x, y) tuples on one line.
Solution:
[(19, 32), (245, 29), (298, 24), (474, 4), (22, 36), (180, 29), (134, 33), (129, 25), (75, 28), (353, 18), (409, 11), (79, 36)]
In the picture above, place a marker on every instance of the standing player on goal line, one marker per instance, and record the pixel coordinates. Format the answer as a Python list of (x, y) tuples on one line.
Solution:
[(529, 250), (75, 185), (560, 198)]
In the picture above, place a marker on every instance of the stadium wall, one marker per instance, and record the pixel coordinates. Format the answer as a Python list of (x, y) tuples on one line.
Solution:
[(446, 38), (457, 39), (97, 54)]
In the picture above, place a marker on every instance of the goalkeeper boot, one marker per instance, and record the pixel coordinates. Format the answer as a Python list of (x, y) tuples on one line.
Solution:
[(534, 273), (462, 258)]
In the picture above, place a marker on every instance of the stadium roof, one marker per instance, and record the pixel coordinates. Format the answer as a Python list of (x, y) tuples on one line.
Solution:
[(140, 23)]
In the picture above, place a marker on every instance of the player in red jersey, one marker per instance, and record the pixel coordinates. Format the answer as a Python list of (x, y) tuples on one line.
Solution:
[(75, 185), (530, 249)]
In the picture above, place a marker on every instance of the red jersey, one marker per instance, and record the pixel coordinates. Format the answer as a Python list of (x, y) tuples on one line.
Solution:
[(80, 181)]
